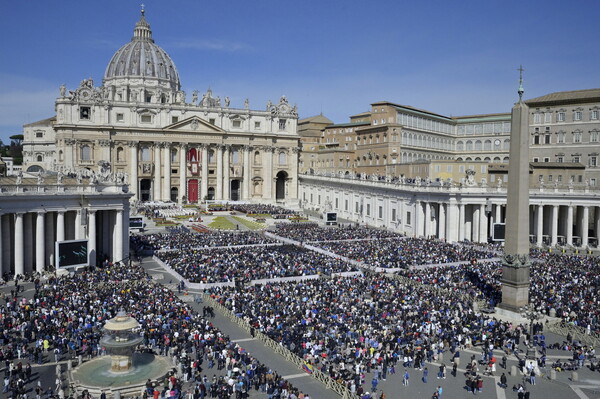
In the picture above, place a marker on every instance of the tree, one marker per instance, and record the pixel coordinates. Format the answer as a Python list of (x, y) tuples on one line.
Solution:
[(16, 148)]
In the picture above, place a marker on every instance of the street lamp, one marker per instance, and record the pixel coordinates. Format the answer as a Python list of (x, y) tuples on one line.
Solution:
[(528, 312)]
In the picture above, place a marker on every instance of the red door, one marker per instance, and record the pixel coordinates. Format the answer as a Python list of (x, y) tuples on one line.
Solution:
[(193, 190)]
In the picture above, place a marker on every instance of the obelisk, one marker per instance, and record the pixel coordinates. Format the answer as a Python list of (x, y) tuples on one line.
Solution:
[(515, 262)]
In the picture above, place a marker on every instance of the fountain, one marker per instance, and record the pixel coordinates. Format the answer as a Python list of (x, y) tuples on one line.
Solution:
[(122, 372)]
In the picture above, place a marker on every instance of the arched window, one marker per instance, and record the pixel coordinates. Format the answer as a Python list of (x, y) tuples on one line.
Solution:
[(469, 145), (174, 155), (478, 145), (487, 145), (235, 156), (39, 158), (282, 158), (257, 158), (211, 156), (506, 144), (86, 153), (120, 154), (460, 146), (60, 156)]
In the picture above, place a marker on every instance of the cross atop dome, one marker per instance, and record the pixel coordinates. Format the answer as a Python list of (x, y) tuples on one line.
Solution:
[(142, 5)]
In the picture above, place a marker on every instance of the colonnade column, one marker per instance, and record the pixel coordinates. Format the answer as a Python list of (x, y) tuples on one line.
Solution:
[(182, 173), (133, 162), (569, 224), (585, 220), (78, 224), (461, 222), (19, 247), (475, 223), (1, 247), (597, 225), (452, 222), (442, 221), (427, 220), (483, 224), (498, 215), (419, 217), (219, 155), (226, 164), (60, 226), (539, 230), (92, 248), (204, 182), (157, 171), (49, 237), (166, 185), (293, 191), (118, 254), (28, 250), (40, 258), (246, 173), (554, 227)]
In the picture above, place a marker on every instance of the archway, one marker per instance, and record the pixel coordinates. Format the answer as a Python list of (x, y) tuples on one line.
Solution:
[(280, 185), (235, 190), (192, 191), (174, 194), (145, 189), (211, 193)]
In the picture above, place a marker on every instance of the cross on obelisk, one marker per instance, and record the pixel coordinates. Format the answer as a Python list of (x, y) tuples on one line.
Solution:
[(515, 262)]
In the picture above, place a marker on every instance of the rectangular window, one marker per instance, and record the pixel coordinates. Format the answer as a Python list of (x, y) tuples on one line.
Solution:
[(547, 117), (580, 179), (380, 212), (237, 123), (559, 178), (368, 209), (84, 113), (576, 159), (346, 205), (577, 115), (536, 139), (559, 159), (594, 114), (174, 171), (39, 135), (408, 221), (546, 159), (547, 139), (393, 215), (560, 117), (282, 123), (594, 137), (336, 203), (257, 125), (319, 200), (212, 121), (120, 117), (536, 159), (311, 198), (174, 119), (146, 118), (593, 182), (537, 118), (549, 177), (593, 161), (356, 208), (577, 137)]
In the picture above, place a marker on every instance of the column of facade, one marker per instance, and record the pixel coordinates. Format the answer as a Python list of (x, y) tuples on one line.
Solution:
[(219, 188), (204, 182), (226, 169), (2, 271), (585, 220), (19, 245), (442, 221), (92, 247), (427, 220), (133, 169), (157, 172), (268, 173), (118, 244), (40, 254), (78, 224), (419, 219), (293, 189), (483, 224), (166, 184), (60, 226), (182, 173), (554, 226), (246, 173), (570, 225), (475, 223), (461, 222), (539, 229), (498, 215)]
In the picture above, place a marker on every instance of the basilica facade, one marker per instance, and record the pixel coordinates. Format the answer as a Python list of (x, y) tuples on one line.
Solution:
[(139, 123)]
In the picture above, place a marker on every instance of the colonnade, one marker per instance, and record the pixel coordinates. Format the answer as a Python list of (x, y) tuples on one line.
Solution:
[(27, 238), (571, 224)]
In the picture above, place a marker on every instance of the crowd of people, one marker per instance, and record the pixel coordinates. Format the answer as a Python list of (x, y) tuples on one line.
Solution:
[(406, 252), (194, 240), (311, 232), (350, 326), (64, 319), (263, 209), (251, 263)]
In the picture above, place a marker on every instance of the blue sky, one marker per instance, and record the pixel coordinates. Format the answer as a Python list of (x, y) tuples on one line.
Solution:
[(334, 57)]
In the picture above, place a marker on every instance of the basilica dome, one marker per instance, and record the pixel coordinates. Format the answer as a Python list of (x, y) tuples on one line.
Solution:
[(142, 58)]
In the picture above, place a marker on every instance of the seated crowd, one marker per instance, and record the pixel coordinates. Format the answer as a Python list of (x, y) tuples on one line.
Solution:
[(193, 240), (250, 263), (262, 209), (403, 253), (311, 232), (66, 316)]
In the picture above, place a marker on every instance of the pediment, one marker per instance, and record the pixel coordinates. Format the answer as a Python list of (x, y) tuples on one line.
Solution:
[(194, 124)]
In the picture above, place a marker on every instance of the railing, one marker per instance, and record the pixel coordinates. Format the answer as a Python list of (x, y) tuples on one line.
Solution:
[(564, 328), (288, 355)]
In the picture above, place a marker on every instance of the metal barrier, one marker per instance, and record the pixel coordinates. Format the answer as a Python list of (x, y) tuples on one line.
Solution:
[(288, 355), (563, 328)]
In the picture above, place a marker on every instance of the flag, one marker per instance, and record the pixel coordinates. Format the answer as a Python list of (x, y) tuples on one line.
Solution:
[(308, 367)]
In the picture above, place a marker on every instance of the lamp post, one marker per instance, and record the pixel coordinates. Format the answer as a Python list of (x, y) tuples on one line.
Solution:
[(529, 313)]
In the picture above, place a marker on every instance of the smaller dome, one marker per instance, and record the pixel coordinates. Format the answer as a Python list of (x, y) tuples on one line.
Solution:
[(141, 57)]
